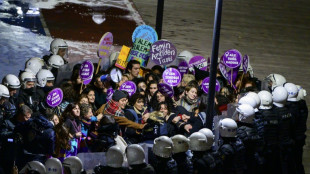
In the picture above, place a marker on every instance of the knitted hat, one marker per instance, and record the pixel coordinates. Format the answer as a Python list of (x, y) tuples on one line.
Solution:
[(119, 95)]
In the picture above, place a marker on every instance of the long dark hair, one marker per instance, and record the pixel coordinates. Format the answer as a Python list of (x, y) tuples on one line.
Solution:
[(154, 103), (62, 138), (68, 112)]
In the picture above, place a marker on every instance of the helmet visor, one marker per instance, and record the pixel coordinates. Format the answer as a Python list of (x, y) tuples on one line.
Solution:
[(63, 52)]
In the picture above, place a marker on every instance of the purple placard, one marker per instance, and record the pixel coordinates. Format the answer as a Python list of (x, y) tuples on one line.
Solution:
[(208, 64), (234, 75), (205, 85), (54, 97), (232, 58), (86, 70), (223, 70), (172, 76), (165, 89), (183, 67), (129, 86), (105, 44), (163, 52), (245, 64), (86, 82), (199, 62), (110, 92)]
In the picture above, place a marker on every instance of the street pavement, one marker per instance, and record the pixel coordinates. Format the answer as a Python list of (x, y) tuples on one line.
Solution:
[(274, 34)]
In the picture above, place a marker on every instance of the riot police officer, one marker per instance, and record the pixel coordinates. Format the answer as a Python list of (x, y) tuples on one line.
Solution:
[(136, 160), (180, 147)]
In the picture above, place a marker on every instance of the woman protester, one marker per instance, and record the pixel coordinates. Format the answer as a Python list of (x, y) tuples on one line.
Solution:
[(138, 113)]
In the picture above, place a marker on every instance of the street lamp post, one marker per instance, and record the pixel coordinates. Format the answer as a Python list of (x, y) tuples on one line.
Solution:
[(159, 17), (213, 67)]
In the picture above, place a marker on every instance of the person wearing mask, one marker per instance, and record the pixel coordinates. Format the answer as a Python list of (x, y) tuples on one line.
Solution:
[(28, 94)]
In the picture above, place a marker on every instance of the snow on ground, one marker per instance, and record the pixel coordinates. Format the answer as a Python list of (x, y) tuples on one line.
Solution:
[(17, 44)]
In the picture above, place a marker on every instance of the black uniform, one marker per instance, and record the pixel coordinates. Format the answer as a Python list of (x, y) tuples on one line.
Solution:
[(253, 144), (165, 165), (233, 153), (184, 163), (203, 162), (33, 99), (106, 169), (299, 112), (141, 169), (271, 142), (286, 142)]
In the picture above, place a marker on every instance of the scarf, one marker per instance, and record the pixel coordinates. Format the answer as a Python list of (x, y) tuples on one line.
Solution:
[(112, 108), (190, 101)]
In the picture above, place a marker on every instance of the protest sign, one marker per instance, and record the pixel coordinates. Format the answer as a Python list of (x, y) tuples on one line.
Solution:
[(199, 62), (104, 47), (86, 70), (232, 58), (163, 52), (245, 63), (121, 61), (145, 32), (165, 89), (128, 86), (183, 67), (205, 85), (140, 51), (54, 97), (172, 77)]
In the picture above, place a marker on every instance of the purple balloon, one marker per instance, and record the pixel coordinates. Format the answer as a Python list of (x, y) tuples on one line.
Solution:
[(165, 89), (199, 62), (205, 85), (183, 67), (129, 86), (245, 63), (232, 58), (163, 52), (54, 97), (172, 76), (86, 70)]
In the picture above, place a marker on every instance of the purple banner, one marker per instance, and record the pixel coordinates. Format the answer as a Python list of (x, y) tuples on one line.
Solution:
[(110, 92), (105, 44), (199, 62), (129, 86), (232, 58), (86, 82), (86, 70), (172, 76), (205, 85), (165, 89), (163, 52), (183, 67), (54, 97), (208, 64), (245, 64)]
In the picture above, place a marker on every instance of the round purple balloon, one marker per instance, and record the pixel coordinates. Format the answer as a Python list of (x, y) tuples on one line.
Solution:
[(172, 76), (163, 52), (205, 85), (199, 62), (165, 89), (232, 58), (129, 86), (86, 70), (54, 97), (183, 67)]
